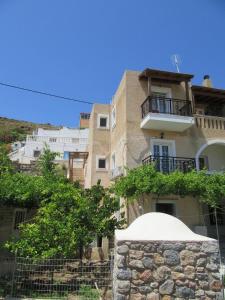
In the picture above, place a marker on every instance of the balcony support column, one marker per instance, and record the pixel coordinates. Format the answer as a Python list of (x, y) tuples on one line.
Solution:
[(149, 86), (187, 91)]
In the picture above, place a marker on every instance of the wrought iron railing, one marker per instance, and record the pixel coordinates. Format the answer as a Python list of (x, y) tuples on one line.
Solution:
[(163, 105), (168, 164)]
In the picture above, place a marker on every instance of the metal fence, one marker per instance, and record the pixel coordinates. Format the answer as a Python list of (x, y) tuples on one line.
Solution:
[(62, 278)]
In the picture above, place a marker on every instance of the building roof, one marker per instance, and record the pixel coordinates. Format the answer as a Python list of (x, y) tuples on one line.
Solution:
[(206, 94), (165, 75)]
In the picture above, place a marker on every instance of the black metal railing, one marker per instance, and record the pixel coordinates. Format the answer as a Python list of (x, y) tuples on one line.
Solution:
[(168, 164), (163, 105)]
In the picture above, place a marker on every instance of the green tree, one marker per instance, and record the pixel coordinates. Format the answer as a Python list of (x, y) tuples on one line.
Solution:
[(6, 166), (67, 221), (46, 162), (103, 204)]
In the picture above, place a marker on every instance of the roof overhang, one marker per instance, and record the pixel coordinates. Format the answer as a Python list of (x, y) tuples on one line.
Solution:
[(78, 155), (208, 94), (166, 76)]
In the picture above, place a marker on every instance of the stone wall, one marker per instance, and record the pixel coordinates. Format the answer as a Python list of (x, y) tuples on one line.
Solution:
[(166, 270)]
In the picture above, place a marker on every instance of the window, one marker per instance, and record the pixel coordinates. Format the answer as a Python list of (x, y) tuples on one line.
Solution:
[(113, 117), (165, 207), (75, 140), (52, 140), (101, 163), (19, 218), (103, 121), (162, 152), (37, 153), (85, 116), (161, 100)]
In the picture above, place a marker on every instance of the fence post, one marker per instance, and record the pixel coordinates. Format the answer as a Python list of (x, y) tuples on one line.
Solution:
[(13, 275)]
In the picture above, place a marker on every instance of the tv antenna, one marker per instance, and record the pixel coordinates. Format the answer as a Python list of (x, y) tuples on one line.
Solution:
[(176, 61)]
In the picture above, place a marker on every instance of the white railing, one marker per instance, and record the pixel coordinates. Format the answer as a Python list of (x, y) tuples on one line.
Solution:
[(210, 122), (61, 140)]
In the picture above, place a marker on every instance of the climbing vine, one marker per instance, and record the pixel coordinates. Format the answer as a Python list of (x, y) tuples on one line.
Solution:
[(209, 188)]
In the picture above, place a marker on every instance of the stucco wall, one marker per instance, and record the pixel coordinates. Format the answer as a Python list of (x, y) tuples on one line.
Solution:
[(187, 209), (99, 145), (216, 157)]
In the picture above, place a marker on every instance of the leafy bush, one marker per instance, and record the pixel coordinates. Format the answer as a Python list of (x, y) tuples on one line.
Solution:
[(88, 293), (146, 179)]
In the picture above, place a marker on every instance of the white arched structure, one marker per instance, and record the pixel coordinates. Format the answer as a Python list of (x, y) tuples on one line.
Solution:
[(203, 147), (158, 227)]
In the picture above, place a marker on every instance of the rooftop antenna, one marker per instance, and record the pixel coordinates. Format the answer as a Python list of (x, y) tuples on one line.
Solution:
[(176, 61)]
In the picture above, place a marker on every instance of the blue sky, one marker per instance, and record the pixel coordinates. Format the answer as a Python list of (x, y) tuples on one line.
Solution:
[(80, 49)]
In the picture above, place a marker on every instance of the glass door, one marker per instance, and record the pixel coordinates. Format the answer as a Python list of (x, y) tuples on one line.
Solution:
[(161, 103), (161, 157)]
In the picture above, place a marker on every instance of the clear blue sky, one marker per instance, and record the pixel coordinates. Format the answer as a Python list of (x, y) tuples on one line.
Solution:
[(80, 49)]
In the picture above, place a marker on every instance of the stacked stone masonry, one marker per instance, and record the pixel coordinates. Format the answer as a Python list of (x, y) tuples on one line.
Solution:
[(167, 270)]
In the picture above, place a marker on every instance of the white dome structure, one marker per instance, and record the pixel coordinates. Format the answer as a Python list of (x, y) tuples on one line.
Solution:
[(158, 227)]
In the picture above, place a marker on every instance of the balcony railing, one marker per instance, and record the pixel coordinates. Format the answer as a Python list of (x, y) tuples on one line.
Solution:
[(168, 164), (163, 105), (56, 139), (210, 122)]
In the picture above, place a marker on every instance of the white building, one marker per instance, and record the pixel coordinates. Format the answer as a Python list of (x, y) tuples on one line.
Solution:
[(62, 141)]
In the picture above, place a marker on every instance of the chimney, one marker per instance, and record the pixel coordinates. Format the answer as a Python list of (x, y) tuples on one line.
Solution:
[(207, 81)]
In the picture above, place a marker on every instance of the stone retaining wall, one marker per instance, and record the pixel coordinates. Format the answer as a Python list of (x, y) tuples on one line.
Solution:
[(166, 270)]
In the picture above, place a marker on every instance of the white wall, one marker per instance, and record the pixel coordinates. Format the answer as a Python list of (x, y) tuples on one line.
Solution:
[(60, 141)]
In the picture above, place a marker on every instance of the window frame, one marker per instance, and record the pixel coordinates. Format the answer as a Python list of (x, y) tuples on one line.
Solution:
[(52, 140), (101, 157), (173, 202), (35, 151), (99, 121)]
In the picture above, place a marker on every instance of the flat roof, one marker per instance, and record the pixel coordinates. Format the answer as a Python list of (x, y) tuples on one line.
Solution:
[(203, 93), (165, 75)]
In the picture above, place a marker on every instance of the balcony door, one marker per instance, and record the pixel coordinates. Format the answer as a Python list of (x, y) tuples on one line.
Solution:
[(161, 100), (163, 152), (160, 103)]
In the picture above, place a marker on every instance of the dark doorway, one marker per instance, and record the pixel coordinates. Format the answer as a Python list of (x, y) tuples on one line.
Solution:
[(167, 208)]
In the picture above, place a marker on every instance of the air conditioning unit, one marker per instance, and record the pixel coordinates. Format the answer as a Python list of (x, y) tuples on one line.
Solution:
[(115, 173)]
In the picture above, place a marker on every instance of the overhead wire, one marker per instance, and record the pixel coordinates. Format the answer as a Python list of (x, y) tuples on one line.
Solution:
[(45, 93)]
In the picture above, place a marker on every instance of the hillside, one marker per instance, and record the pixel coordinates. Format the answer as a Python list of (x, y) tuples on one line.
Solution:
[(13, 130)]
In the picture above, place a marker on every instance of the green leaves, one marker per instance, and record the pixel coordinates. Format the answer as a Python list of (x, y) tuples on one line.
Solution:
[(46, 164), (146, 180), (68, 219), (5, 163)]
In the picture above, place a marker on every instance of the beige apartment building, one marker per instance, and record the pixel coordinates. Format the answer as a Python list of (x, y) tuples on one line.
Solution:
[(159, 116)]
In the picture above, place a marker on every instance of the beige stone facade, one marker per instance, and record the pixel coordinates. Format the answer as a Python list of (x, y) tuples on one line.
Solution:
[(183, 122)]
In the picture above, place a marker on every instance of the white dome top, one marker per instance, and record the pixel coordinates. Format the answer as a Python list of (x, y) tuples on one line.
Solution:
[(157, 227)]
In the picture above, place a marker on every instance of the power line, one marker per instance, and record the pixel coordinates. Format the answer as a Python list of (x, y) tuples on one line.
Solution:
[(44, 93)]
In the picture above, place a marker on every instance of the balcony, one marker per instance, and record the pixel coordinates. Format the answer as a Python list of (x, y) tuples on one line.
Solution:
[(166, 114), (210, 122), (168, 164)]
